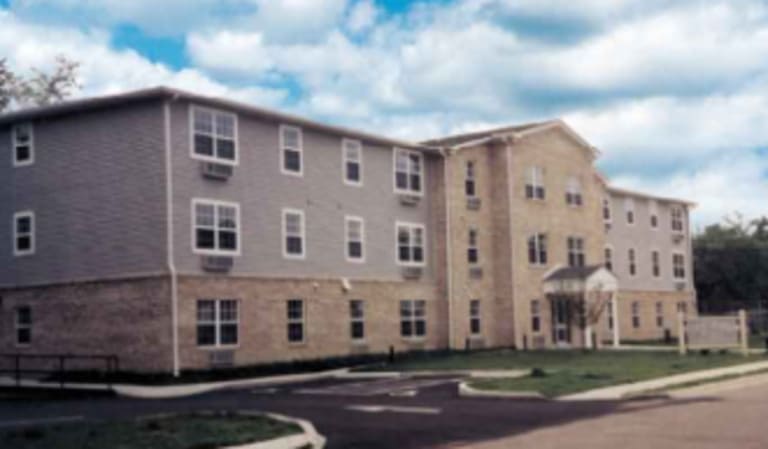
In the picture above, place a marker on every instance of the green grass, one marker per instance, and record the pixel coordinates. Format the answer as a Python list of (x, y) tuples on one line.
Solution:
[(173, 432), (573, 371)]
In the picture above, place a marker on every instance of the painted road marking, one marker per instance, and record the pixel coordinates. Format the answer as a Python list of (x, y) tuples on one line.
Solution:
[(27, 422), (394, 409), (378, 387)]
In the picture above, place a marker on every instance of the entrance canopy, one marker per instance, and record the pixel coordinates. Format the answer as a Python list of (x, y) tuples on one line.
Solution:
[(577, 281)]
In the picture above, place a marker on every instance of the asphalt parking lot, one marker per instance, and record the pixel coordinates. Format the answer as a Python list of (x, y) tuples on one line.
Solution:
[(375, 413)]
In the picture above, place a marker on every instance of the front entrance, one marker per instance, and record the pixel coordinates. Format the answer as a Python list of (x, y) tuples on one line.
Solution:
[(561, 329)]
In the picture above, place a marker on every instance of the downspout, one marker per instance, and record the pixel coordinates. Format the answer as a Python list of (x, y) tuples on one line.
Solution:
[(448, 240), (170, 236)]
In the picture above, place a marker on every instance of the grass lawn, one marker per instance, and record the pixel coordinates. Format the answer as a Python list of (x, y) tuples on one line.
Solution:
[(573, 371), (172, 432)]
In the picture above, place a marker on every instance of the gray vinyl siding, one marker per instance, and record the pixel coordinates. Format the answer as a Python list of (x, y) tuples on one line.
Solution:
[(97, 190), (644, 239), (263, 191)]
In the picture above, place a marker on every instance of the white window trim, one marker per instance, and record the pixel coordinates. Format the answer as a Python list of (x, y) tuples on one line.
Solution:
[(300, 150), (653, 275), (672, 219), (574, 187), (423, 173), (238, 233), (653, 210), (360, 319), (629, 206), (302, 320), (685, 268), (344, 161), (214, 159), (630, 261), (14, 160), (217, 322), (476, 245), (577, 250), (411, 227), (347, 220), (413, 318), (607, 201), (468, 178), (18, 326), (535, 177), (32, 231), (286, 255), (537, 238), (476, 316)]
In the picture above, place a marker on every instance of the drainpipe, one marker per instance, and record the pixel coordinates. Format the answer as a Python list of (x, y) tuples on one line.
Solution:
[(448, 241), (169, 238)]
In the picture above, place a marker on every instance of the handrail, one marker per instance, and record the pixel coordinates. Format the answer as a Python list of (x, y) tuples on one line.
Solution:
[(112, 365)]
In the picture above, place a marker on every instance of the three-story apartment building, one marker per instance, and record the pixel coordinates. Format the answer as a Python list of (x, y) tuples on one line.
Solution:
[(181, 231)]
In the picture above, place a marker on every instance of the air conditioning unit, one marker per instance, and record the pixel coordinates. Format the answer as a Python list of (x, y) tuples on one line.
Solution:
[(407, 199), (216, 171), (475, 273), (678, 237), (221, 359), (680, 286), (412, 272), (217, 264), (474, 203), (475, 343)]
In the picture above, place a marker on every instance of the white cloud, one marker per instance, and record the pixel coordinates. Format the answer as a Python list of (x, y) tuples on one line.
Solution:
[(362, 16)]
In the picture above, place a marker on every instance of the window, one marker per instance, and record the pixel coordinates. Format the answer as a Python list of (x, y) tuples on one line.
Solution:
[(606, 210), (632, 262), (23, 233), (682, 307), (535, 316), (410, 243), (23, 145), (653, 209), (217, 227), (474, 317), (469, 182), (677, 219), (291, 150), (576, 252), (573, 196), (352, 152), (678, 266), (295, 309), (636, 314), (534, 184), (629, 210), (293, 234), (357, 319), (656, 263), (23, 323), (408, 171), (609, 258), (473, 255), (413, 323), (214, 136), (217, 322), (659, 314), (537, 249), (354, 229)]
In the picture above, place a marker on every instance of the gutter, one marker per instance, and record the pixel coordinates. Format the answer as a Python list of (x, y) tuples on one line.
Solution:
[(169, 238)]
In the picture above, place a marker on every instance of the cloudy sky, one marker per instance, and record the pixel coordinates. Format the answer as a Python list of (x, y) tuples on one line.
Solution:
[(673, 92)]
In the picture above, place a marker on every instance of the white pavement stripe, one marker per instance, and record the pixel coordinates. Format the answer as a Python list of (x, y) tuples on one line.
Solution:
[(394, 409), (387, 386), (27, 422)]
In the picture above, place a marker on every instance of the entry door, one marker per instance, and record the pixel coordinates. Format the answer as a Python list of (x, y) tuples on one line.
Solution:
[(560, 323)]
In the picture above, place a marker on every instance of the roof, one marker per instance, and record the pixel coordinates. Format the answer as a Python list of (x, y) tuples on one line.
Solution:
[(626, 192), (458, 139), (573, 273), (162, 92)]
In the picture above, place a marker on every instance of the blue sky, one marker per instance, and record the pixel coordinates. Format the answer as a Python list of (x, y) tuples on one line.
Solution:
[(673, 92)]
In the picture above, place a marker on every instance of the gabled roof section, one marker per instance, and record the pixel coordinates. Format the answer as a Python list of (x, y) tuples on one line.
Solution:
[(573, 273), (634, 193), (459, 139)]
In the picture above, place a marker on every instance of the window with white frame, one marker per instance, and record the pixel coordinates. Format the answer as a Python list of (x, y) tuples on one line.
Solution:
[(217, 227), (576, 256), (656, 263), (355, 237), (22, 136), (534, 183), (473, 253), (537, 249), (214, 135), (653, 210), (629, 210), (409, 171), (573, 195), (291, 150), (607, 210), (352, 151), (217, 322), (659, 314), (608, 262), (357, 319), (294, 245), (24, 233), (632, 259), (295, 314), (413, 321), (678, 266), (635, 314), (474, 317), (410, 243), (469, 181), (535, 316), (676, 215), (23, 324)]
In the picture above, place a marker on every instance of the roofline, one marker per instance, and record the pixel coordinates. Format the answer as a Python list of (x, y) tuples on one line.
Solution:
[(163, 92), (627, 192)]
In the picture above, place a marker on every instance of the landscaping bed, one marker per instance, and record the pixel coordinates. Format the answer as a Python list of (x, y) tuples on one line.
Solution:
[(189, 431)]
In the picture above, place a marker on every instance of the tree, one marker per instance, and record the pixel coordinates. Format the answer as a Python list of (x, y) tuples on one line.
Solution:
[(40, 88)]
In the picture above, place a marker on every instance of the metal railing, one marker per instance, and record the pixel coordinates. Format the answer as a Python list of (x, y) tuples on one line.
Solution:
[(57, 366)]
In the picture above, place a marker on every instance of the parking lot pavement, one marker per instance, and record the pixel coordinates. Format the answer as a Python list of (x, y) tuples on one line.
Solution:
[(399, 386)]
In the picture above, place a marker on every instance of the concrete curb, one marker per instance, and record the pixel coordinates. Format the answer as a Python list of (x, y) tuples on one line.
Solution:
[(369, 375), (467, 391), (309, 437)]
